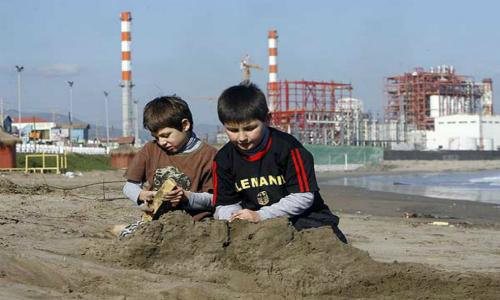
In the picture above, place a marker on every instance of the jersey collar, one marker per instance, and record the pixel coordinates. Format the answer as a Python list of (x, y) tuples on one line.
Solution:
[(259, 154)]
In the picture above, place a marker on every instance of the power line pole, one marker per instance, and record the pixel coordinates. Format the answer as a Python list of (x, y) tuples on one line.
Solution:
[(97, 129), (19, 70), (70, 110), (107, 120), (54, 111)]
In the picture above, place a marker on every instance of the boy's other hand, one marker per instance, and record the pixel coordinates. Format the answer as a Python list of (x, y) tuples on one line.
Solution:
[(245, 214)]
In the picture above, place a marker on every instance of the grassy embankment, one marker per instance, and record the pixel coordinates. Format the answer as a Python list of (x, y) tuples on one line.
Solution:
[(76, 162)]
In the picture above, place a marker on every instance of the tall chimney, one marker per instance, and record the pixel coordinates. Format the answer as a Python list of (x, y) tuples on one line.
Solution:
[(126, 84), (273, 70)]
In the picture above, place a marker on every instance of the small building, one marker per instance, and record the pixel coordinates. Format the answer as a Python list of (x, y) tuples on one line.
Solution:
[(6, 124), (465, 132), (122, 156), (126, 140), (8, 150), (117, 142), (79, 132), (34, 128)]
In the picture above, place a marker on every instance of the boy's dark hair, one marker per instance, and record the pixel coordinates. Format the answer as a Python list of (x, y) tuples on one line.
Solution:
[(242, 103), (166, 111)]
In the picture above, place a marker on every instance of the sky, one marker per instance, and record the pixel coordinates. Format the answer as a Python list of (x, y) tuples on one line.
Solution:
[(193, 48)]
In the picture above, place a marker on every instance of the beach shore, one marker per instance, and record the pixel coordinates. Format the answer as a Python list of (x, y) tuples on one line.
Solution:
[(394, 226), (50, 233)]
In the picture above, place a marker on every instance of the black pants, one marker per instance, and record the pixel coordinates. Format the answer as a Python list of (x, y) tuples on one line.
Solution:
[(319, 218)]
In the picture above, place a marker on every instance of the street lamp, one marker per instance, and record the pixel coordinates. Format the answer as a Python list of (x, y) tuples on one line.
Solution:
[(107, 122), (70, 109), (19, 70)]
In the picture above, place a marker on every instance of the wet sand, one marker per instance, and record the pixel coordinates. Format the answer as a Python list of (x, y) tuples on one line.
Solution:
[(54, 245)]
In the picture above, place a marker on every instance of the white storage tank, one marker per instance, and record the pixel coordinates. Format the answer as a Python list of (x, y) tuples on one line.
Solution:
[(488, 144), (467, 143), (454, 143)]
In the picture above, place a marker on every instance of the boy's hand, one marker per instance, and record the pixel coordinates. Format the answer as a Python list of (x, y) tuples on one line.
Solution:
[(245, 214), (146, 208), (176, 196), (147, 196)]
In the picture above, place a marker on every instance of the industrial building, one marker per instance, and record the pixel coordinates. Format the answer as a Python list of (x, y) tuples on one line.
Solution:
[(439, 110), (416, 98), (465, 132), (314, 112), (423, 110)]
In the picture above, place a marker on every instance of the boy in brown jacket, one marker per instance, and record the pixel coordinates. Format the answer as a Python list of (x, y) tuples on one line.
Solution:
[(177, 154)]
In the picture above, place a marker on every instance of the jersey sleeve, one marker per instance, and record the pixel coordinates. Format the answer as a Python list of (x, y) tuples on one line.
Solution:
[(224, 190), (299, 171)]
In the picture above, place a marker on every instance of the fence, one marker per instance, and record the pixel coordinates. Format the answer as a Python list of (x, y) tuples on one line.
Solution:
[(344, 157), (442, 155), (52, 149)]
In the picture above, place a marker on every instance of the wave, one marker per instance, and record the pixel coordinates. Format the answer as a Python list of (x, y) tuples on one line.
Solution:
[(495, 180)]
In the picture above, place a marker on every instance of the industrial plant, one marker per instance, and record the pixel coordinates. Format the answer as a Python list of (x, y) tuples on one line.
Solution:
[(423, 110)]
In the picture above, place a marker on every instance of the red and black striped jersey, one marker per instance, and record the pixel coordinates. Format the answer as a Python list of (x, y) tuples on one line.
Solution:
[(283, 167)]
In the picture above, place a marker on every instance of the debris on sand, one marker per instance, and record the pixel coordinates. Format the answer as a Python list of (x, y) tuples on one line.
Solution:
[(9, 187), (272, 257)]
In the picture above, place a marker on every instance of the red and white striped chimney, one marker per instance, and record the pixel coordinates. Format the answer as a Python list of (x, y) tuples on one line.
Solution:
[(126, 85), (126, 41), (273, 70)]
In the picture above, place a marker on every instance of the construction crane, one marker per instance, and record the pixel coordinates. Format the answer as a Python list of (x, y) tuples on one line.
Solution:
[(245, 66)]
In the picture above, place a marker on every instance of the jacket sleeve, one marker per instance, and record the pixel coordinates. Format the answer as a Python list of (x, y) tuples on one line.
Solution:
[(136, 170), (299, 171), (207, 172)]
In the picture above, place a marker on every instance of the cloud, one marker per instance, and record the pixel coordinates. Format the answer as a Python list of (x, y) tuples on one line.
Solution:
[(57, 70)]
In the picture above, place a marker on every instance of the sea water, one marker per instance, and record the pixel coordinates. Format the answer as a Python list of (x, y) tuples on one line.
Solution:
[(481, 186)]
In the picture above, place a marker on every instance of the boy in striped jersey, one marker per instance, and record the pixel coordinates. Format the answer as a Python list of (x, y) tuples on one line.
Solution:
[(262, 172)]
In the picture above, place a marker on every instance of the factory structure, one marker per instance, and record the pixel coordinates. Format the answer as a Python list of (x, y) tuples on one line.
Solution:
[(440, 110), (314, 112), (423, 110)]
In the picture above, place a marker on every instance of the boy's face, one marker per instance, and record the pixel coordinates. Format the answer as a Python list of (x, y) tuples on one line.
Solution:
[(172, 139), (246, 136)]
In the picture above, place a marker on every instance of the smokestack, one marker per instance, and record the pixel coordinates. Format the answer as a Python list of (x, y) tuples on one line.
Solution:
[(126, 85), (273, 70)]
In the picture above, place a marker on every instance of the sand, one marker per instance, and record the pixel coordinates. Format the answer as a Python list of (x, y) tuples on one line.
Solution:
[(54, 245)]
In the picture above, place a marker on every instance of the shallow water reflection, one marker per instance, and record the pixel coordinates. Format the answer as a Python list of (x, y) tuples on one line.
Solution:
[(476, 186)]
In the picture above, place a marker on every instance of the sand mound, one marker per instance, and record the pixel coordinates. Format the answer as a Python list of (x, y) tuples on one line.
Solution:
[(9, 187), (273, 257), (30, 271)]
